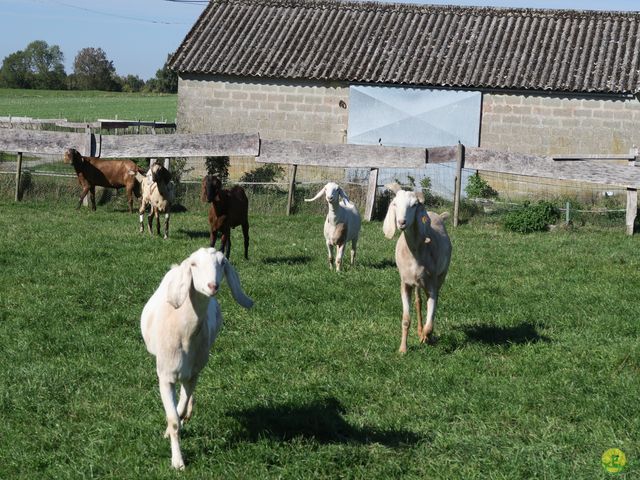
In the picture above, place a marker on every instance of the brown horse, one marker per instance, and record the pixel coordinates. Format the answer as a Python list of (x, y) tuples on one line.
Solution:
[(92, 172), (229, 208)]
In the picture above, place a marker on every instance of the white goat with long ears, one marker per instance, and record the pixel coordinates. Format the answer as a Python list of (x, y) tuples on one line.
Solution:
[(342, 224), (179, 324), (423, 253)]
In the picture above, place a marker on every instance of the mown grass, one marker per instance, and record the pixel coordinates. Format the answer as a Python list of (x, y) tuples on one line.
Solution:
[(87, 106), (534, 374)]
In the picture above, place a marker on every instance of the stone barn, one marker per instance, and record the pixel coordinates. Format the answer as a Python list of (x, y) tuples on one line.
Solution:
[(526, 80)]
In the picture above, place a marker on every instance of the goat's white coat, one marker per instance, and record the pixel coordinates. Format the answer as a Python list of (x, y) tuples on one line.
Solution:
[(342, 223), (179, 324), (159, 196), (423, 253)]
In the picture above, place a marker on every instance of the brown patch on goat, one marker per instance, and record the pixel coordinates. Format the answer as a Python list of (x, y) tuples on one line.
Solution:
[(340, 234)]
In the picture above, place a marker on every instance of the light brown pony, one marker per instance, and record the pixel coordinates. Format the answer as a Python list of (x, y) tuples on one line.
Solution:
[(92, 172)]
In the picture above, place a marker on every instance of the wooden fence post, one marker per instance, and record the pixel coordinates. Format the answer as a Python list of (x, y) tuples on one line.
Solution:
[(458, 184), (632, 209), (371, 194), (292, 187), (18, 177)]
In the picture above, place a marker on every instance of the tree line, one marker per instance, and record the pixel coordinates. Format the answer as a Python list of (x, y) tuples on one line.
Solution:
[(40, 66)]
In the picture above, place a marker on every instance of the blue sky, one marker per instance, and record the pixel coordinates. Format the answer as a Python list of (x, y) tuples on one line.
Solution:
[(137, 35)]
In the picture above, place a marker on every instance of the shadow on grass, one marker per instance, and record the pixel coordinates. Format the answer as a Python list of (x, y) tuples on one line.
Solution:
[(518, 335), (321, 421), (381, 265), (290, 260), (493, 336), (194, 233)]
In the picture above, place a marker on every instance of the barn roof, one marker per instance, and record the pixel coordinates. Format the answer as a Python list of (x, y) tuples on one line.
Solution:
[(418, 45)]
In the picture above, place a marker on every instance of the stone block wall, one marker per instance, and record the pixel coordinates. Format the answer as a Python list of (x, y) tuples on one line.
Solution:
[(279, 110), (550, 124)]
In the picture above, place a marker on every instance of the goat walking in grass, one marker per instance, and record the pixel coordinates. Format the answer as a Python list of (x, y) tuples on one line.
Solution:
[(158, 194), (92, 172), (229, 208), (179, 324), (423, 253), (341, 225)]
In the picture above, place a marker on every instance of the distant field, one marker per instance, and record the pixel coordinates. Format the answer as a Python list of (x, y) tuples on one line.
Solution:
[(87, 106)]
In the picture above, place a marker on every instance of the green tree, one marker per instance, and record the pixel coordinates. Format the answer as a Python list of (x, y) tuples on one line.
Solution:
[(132, 83), (15, 72), (46, 65), (165, 81), (94, 71), (37, 66)]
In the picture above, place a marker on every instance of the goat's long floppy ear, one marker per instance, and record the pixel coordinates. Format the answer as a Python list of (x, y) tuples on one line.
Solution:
[(180, 283), (420, 197), (343, 195), (234, 283), (318, 195), (389, 224)]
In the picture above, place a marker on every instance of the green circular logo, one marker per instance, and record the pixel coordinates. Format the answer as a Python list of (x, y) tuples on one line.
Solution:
[(614, 460)]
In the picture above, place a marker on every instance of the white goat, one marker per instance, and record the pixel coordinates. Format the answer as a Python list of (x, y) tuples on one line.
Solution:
[(342, 223), (423, 253), (158, 193), (179, 324)]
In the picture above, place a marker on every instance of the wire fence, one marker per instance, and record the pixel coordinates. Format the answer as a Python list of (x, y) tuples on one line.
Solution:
[(48, 179)]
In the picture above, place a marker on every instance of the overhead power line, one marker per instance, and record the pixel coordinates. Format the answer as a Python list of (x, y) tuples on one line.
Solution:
[(125, 17)]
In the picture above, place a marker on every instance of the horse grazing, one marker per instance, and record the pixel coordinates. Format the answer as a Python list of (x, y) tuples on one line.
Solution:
[(92, 172), (229, 208)]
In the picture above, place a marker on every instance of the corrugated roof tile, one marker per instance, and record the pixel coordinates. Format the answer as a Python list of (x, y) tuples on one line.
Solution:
[(420, 45)]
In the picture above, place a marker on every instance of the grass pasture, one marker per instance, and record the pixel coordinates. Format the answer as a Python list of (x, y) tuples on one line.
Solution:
[(534, 374), (87, 106)]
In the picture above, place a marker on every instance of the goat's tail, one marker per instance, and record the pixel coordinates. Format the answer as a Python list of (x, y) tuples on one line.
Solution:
[(444, 215)]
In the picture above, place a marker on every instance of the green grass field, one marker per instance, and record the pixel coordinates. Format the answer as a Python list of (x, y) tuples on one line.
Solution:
[(87, 106), (534, 374)]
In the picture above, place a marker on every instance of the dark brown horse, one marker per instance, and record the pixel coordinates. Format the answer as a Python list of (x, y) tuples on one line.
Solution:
[(92, 172), (229, 208)]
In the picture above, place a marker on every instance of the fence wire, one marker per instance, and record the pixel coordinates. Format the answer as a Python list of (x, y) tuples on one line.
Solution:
[(48, 179)]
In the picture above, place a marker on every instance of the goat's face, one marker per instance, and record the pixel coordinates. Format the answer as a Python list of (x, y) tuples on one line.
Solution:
[(212, 186), (159, 174), (207, 270), (406, 205), (72, 156), (332, 192)]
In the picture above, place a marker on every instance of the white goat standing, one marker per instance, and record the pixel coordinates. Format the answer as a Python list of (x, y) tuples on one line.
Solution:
[(179, 324), (423, 253), (158, 193), (342, 223)]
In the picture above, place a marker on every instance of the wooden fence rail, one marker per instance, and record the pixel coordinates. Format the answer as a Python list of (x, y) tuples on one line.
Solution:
[(295, 153)]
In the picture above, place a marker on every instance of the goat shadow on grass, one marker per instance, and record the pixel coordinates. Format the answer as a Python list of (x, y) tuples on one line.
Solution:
[(321, 421), (287, 260), (194, 233), (381, 265), (491, 335)]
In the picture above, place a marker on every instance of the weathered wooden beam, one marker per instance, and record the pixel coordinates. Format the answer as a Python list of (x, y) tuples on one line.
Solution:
[(539, 166), (371, 194), (604, 156), (441, 154), (295, 152), (121, 146), (180, 145), (37, 141)]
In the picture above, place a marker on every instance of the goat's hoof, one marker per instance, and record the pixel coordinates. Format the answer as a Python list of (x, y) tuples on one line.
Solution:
[(402, 350), (177, 464)]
